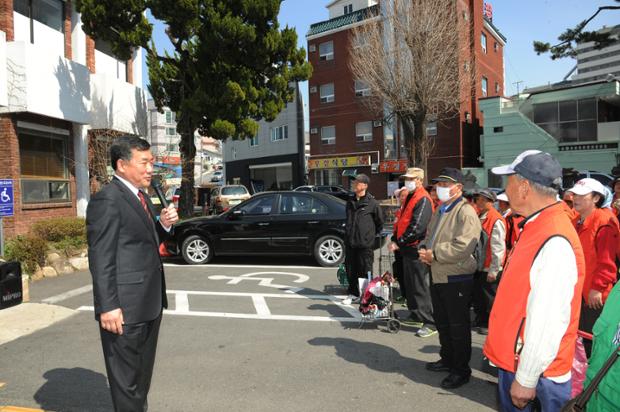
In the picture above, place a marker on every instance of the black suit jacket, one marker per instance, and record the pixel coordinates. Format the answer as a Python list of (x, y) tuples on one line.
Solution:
[(123, 253)]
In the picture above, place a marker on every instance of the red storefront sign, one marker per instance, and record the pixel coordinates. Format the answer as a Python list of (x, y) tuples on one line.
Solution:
[(393, 166)]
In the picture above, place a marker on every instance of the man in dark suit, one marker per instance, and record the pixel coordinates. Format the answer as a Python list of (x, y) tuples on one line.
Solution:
[(128, 276)]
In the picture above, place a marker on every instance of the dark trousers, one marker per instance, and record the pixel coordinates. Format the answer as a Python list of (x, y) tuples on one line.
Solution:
[(586, 323), (417, 281), (483, 297), (451, 313), (358, 262), (129, 360), (397, 269)]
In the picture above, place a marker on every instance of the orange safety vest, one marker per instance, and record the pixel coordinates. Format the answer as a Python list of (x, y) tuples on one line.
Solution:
[(508, 316), (406, 214), (487, 225), (588, 231)]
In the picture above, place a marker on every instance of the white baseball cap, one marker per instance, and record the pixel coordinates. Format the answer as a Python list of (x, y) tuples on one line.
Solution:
[(588, 185), (503, 197)]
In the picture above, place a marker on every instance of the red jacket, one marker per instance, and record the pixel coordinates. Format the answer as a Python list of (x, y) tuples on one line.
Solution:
[(598, 234)]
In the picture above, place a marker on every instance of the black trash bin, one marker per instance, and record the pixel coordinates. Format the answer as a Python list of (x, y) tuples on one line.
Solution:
[(10, 284)]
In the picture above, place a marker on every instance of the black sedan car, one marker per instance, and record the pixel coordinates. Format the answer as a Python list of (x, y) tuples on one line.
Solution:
[(270, 223)]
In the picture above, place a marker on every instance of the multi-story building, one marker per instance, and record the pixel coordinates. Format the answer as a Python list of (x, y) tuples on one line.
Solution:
[(274, 158), (593, 64), (164, 139), (345, 138), (58, 89), (579, 124)]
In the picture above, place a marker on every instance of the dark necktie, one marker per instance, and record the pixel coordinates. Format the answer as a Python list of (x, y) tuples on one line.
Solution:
[(144, 205)]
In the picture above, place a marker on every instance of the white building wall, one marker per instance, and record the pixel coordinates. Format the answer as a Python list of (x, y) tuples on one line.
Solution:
[(4, 101), (336, 8), (45, 38)]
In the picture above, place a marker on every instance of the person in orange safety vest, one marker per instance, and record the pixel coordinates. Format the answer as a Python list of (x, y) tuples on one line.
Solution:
[(533, 323)]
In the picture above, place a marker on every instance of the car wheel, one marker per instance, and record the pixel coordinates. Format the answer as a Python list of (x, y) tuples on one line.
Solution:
[(329, 251), (196, 250)]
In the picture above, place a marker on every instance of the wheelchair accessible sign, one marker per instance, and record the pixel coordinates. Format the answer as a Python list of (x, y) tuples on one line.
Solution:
[(6, 198)]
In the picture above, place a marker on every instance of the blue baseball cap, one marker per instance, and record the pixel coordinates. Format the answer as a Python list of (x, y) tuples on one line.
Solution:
[(536, 166)]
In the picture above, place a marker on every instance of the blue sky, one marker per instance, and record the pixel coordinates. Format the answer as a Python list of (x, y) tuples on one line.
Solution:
[(520, 21)]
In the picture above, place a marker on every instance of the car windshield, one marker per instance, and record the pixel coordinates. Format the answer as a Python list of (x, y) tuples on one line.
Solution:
[(234, 191)]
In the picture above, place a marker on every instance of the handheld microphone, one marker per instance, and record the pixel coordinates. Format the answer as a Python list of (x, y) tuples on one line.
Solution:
[(156, 185)]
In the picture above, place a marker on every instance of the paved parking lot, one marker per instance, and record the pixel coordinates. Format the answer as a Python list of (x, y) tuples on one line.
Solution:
[(239, 337)]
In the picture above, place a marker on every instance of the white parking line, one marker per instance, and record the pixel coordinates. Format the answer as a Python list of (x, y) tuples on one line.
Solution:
[(67, 295), (261, 306), (182, 302), (250, 316)]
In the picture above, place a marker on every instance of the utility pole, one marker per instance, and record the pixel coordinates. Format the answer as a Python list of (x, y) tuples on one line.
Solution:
[(518, 84)]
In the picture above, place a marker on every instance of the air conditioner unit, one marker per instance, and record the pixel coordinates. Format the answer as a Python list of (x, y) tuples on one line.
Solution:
[(312, 48), (313, 89), (377, 123), (314, 130)]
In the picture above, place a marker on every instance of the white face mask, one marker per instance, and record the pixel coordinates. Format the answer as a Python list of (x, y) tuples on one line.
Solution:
[(410, 185), (443, 194)]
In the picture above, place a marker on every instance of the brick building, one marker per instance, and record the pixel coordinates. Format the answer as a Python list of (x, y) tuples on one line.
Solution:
[(58, 90), (345, 138)]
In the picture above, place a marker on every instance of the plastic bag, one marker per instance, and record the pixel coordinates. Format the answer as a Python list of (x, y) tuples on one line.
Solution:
[(580, 365)]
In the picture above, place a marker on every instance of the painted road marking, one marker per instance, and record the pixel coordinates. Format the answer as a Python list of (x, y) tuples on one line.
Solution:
[(260, 305), (18, 409), (209, 265), (67, 295), (265, 281)]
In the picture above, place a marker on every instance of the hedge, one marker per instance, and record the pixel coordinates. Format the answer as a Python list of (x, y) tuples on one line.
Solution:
[(28, 249), (60, 228)]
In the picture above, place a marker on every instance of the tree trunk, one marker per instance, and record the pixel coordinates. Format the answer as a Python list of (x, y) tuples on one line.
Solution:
[(188, 154), (416, 140)]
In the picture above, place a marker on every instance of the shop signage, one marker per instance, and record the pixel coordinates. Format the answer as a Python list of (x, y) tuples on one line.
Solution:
[(339, 162), (393, 166)]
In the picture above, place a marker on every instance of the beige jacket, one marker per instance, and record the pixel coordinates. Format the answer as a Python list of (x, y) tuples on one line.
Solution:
[(453, 237)]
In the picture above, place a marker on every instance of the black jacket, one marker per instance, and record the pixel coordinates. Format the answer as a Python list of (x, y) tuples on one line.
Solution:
[(416, 231), (123, 252), (364, 222)]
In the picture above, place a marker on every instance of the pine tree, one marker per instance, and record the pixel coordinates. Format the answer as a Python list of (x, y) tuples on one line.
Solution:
[(231, 66)]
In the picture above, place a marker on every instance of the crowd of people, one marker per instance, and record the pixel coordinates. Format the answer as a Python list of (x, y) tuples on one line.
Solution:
[(537, 263)]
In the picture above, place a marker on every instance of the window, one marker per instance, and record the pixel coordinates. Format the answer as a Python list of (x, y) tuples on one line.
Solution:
[(298, 204), (484, 86), (169, 117), (327, 93), (328, 135), (431, 129), (49, 12), (361, 88), (254, 141), (568, 121), (326, 51), (44, 171), (496, 88), (171, 131), (279, 133), (327, 176), (498, 129), (259, 206), (363, 132), (495, 46), (172, 147), (348, 9), (483, 42), (234, 191)]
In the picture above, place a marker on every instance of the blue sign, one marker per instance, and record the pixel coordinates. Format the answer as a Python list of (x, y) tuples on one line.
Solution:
[(6, 198)]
